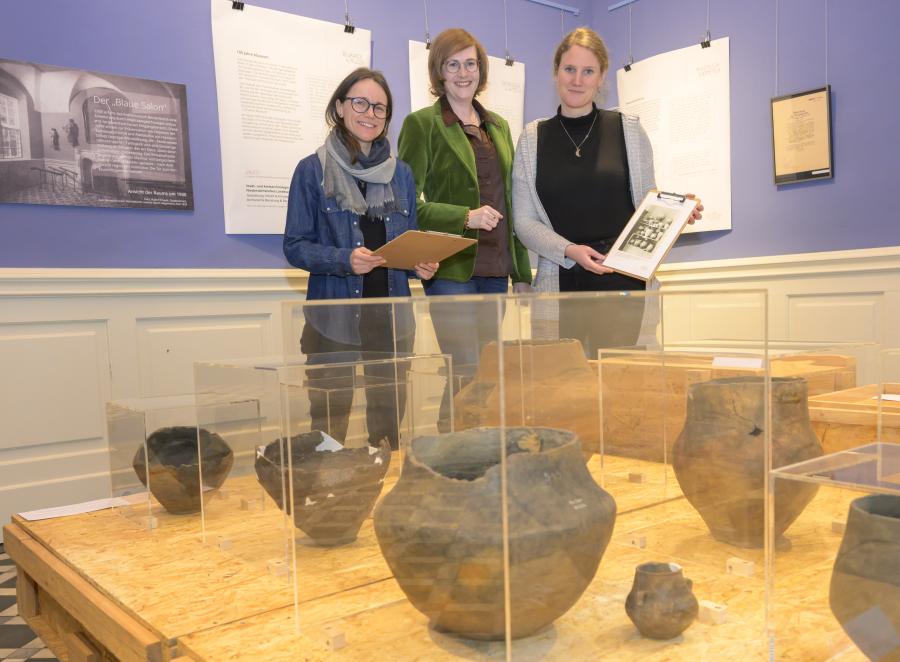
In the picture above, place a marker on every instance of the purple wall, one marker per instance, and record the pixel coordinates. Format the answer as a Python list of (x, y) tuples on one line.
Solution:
[(170, 40), (856, 209)]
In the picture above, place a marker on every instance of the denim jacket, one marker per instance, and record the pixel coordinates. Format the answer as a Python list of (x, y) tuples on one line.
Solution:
[(319, 238)]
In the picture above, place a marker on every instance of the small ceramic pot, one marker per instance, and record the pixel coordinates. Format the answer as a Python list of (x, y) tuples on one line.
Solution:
[(174, 469), (334, 487), (661, 603)]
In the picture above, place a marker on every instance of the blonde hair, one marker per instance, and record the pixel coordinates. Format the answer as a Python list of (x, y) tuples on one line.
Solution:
[(586, 38), (448, 42)]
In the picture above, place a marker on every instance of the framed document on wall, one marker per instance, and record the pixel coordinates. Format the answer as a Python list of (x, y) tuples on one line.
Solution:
[(801, 136)]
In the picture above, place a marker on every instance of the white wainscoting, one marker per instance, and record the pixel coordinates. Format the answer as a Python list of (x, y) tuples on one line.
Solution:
[(71, 339)]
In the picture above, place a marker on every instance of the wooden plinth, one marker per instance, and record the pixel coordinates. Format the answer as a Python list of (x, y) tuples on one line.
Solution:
[(849, 418), (132, 594)]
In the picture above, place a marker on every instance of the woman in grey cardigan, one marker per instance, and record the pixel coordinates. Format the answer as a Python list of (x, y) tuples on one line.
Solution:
[(577, 179)]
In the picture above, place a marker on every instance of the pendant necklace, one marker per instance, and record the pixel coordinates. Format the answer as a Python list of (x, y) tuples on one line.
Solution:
[(586, 136)]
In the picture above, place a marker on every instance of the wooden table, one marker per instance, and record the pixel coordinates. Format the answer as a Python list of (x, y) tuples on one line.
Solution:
[(98, 587)]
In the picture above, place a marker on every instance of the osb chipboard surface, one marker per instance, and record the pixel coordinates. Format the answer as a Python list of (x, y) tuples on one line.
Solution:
[(176, 584), (849, 418), (644, 398)]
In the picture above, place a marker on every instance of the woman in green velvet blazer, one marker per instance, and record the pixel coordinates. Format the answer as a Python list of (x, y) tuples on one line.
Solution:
[(461, 157), (448, 146)]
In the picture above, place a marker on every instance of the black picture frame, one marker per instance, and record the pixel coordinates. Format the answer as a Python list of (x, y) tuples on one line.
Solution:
[(785, 138)]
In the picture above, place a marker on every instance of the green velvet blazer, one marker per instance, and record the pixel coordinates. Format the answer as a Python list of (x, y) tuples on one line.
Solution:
[(443, 165)]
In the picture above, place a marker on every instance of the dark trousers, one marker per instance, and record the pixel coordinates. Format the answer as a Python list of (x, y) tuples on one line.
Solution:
[(463, 329), (331, 389), (612, 322)]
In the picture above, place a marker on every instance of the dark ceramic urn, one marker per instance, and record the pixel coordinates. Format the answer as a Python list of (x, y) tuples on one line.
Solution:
[(174, 468), (441, 529), (334, 487), (661, 603), (719, 457), (865, 583)]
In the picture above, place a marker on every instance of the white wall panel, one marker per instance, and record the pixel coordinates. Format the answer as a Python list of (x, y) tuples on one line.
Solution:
[(849, 317), (168, 347), (55, 382)]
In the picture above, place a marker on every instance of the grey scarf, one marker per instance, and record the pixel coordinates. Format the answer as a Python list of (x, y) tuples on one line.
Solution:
[(339, 177)]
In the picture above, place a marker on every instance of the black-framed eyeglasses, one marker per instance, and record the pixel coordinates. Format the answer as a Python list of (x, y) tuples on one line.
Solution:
[(453, 66), (361, 105)]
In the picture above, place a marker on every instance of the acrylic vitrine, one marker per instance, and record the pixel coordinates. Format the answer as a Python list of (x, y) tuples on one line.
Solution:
[(832, 578), (156, 450)]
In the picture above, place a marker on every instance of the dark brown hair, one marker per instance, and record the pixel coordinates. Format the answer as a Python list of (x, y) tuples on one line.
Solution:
[(340, 94), (447, 43)]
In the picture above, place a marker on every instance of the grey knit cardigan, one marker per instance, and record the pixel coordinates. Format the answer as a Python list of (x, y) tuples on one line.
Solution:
[(531, 223), (535, 231)]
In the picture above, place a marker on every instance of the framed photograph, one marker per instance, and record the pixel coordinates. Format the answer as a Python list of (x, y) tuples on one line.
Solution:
[(801, 136), (649, 234)]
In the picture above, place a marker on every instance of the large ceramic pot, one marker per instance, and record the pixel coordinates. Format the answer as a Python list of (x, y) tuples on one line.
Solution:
[(865, 584), (334, 487), (441, 529), (661, 603), (719, 457), (174, 469), (547, 383)]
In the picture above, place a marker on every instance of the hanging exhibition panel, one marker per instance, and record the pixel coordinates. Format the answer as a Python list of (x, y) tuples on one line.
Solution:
[(274, 75), (83, 138), (682, 98), (504, 95)]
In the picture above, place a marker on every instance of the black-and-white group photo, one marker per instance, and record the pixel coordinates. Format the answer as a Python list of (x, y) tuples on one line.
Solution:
[(76, 137), (648, 231)]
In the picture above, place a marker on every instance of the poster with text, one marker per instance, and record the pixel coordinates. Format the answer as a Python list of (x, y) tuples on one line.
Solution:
[(683, 100), (76, 137), (275, 73), (505, 92)]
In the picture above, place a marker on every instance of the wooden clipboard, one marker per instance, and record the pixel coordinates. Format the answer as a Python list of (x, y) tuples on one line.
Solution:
[(416, 246)]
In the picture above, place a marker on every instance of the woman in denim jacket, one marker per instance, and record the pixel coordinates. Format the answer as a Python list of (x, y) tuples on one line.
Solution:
[(346, 200)]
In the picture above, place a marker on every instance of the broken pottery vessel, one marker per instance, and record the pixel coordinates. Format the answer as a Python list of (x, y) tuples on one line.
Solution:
[(334, 487), (441, 529), (174, 470), (865, 584), (719, 457)]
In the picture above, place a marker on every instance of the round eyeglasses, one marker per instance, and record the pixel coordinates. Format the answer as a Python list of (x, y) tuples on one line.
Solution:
[(361, 105), (453, 66)]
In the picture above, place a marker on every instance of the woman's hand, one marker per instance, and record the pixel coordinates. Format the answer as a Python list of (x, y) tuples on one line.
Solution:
[(695, 215), (587, 258), (362, 260), (426, 270), (484, 218)]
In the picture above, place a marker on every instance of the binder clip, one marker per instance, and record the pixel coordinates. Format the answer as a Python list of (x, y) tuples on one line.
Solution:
[(664, 195), (236, 4), (427, 41), (509, 60), (349, 28), (705, 42), (628, 64)]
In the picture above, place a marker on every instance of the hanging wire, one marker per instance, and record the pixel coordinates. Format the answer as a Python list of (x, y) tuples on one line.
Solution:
[(630, 59), (706, 38), (509, 60), (562, 23), (348, 24), (427, 33), (826, 42), (776, 48)]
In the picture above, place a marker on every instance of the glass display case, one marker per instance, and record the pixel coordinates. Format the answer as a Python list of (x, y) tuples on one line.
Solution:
[(544, 476), (156, 449), (832, 585)]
